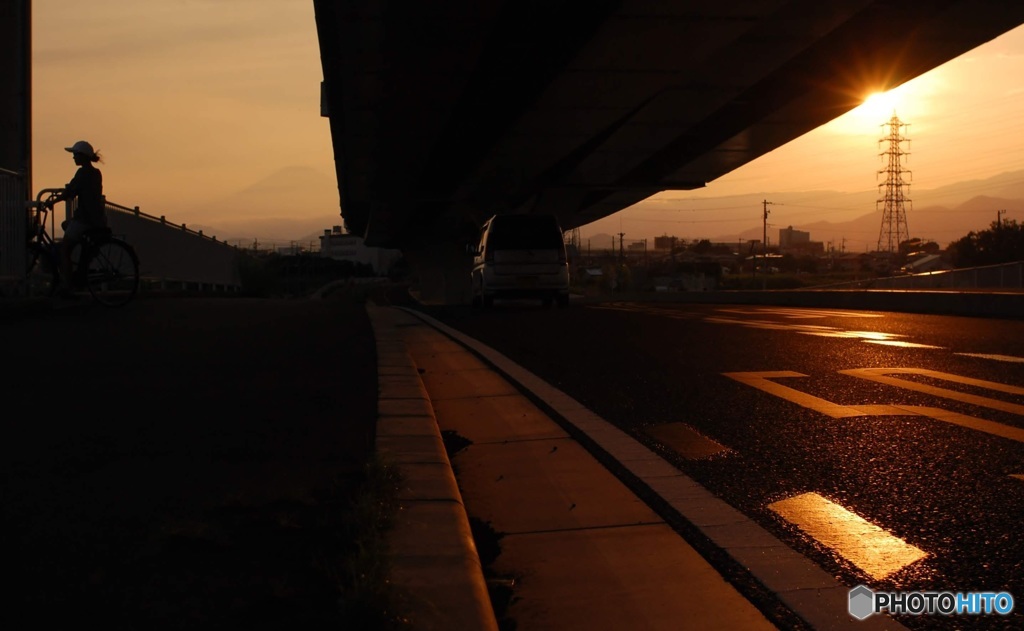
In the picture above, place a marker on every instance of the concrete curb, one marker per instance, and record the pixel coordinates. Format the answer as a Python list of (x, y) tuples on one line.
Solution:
[(434, 561), (813, 595)]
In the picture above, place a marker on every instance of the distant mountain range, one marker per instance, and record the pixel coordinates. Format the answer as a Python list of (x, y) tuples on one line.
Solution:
[(942, 215), (292, 204), (296, 204)]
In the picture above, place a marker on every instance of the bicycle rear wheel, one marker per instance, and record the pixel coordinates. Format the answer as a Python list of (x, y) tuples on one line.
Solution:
[(41, 272), (112, 272)]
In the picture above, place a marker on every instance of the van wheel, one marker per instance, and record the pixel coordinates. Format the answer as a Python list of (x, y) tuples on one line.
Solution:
[(563, 302), (548, 301)]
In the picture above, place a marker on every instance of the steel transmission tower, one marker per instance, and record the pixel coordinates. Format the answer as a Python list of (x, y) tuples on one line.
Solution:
[(894, 197)]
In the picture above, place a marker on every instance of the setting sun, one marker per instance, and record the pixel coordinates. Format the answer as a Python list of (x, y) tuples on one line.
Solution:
[(879, 106), (876, 109)]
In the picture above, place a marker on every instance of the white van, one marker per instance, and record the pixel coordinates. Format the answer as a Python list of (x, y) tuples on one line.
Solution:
[(520, 256)]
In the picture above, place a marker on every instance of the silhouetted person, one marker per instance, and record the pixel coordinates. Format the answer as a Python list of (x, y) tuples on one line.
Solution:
[(90, 213)]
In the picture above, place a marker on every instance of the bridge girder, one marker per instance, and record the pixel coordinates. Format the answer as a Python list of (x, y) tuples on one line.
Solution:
[(445, 113)]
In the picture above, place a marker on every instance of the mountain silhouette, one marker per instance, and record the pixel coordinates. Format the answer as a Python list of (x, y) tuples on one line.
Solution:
[(943, 215), (298, 203), (292, 204)]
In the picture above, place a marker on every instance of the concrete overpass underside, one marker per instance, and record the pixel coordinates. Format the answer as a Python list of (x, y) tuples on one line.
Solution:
[(445, 113)]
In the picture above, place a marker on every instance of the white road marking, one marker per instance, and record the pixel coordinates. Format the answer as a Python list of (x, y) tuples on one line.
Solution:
[(900, 344), (686, 441), (879, 375), (753, 324), (970, 422), (869, 547), (872, 337), (998, 358), (762, 381), (800, 313)]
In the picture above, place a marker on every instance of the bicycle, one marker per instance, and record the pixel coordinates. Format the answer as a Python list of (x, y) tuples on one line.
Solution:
[(106, 266)]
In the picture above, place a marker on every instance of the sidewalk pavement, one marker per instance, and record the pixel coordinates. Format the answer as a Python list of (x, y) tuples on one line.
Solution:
[(584, 550)]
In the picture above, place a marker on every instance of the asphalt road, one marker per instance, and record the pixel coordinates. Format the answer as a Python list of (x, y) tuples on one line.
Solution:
[(803, 401)]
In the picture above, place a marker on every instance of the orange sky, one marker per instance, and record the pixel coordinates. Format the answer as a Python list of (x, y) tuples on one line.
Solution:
[(192, 101), (189, 101)]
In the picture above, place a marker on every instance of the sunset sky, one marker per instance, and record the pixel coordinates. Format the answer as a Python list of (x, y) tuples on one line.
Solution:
[(193, 101)]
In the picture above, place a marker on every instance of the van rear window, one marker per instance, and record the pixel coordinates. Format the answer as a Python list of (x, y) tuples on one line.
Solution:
[(525, 232)]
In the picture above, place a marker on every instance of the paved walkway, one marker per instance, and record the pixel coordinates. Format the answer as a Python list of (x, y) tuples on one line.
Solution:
[(584, 550)]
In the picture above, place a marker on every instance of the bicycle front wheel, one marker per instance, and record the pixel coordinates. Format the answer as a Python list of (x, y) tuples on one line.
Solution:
[(112, 272)]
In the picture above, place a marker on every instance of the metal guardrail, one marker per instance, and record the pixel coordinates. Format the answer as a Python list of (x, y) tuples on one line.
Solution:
[(1007, 276)]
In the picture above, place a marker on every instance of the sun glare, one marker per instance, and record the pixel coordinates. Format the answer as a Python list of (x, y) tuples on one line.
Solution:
[(879, 106), (865, 119)]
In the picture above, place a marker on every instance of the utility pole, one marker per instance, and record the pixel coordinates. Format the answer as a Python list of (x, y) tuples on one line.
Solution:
[(999, 218), (764, 241)]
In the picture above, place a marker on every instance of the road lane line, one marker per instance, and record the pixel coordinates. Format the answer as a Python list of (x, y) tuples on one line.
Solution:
[(970, 422), (869, 547), (772, 325), (800, 313), (879, 375), (998, 358), (900, 344), (686, 441), (760, 380)]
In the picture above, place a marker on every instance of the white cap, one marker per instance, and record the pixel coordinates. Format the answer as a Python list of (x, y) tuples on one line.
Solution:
[(81, 147)]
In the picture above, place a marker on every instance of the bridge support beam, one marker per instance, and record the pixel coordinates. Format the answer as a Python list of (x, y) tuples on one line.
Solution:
[(442, 271), (16, 88)]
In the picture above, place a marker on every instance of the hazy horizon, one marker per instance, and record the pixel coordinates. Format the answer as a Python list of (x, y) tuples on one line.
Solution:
[(936, 214)]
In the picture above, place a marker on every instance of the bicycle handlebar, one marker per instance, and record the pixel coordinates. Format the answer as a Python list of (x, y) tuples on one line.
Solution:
[(40, 207), (49, 192)]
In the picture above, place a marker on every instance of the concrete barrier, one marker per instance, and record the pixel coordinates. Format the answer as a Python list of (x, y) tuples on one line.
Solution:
[(172, 254)]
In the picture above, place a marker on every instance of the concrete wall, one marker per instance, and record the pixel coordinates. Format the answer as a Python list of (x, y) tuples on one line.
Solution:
[(172, 253)]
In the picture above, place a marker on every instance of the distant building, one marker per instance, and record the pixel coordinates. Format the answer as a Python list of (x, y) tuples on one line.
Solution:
[(341, 246), (798, 243), (665, 243), (790, 237)]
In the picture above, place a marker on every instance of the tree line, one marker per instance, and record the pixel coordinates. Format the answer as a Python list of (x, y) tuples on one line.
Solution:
[(1003, 242)]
